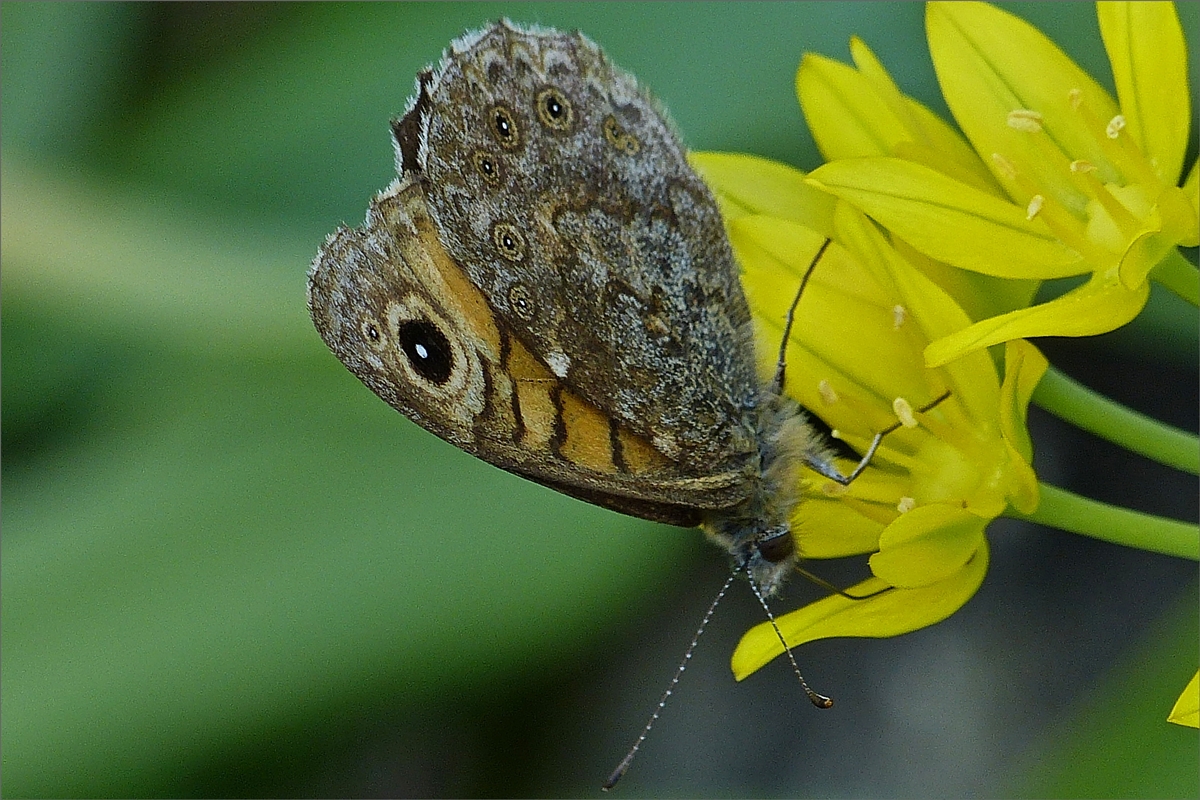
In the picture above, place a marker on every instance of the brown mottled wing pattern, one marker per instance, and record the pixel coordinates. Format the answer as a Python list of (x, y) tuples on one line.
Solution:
[(564, 193), (402, 315)]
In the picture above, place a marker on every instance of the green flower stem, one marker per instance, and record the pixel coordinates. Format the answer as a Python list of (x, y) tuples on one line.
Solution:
[(1179, 275), (1072, 401), (1070, 512)]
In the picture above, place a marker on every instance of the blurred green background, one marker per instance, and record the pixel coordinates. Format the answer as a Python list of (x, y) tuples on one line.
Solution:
[(228, 569)]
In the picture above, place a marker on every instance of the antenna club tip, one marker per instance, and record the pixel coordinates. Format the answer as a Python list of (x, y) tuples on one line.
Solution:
[(821, 701), (619, 772)]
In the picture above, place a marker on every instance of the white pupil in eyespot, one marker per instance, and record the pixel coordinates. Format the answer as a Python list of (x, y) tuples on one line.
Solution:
[(421, 351)]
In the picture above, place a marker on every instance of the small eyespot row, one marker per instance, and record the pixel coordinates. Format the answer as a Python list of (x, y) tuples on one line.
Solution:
[(487, 166), (620, 138), (520, 301), (503, 125), (370, 331), (509, 241), (554, 109)]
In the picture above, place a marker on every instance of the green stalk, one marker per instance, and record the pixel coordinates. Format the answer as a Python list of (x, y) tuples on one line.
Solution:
[(1072, 401), (1179, 275), (1070, 512)]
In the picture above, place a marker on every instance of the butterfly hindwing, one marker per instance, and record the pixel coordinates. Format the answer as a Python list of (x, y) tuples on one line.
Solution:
[(402, 315)]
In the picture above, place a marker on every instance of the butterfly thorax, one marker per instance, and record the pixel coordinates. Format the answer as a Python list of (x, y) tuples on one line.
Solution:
[(758, 532)]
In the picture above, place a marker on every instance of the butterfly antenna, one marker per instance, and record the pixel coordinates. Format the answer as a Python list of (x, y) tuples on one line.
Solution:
[(781, 362), (818, 700), (623, 767)]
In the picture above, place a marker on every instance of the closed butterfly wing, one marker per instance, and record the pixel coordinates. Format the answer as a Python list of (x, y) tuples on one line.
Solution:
[(563, 192), (401, 314)]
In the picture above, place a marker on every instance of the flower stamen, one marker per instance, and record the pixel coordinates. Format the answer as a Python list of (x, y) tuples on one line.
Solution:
[(828, 395), (1063, 224), (1125, 159), (1115, 126), (1024, 119), (904, 412), (1126, 221), (1035, 205), (1005, 166)]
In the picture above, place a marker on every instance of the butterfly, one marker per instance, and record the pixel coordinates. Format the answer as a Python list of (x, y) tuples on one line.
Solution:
[(547, 284)]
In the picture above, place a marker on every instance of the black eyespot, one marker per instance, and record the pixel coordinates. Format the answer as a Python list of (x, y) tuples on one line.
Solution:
[(504, 127), (520, 301), (509, 241), (554, 109), (487, 166), (777, 547), (427, 349), (371, 333)]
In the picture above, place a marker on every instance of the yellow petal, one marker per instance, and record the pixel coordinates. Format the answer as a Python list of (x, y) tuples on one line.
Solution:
[(979, 295), (1172, 222), (891, 613), (832, 527), (1024, 366), (855, 113), (1149, 62), (1096, 307), (1187, 707), (1191, 190), (843, 332), (973, 381), (990, 63), (752, 185), (929, 140), (948, 220), (845, 116), (927, 545)]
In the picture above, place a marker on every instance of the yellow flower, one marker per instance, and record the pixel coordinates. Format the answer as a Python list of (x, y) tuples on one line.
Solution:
[(1058, 180), (855, 360)]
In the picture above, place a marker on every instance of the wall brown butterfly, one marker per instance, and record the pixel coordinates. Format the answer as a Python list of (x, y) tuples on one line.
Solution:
[(547, 285)]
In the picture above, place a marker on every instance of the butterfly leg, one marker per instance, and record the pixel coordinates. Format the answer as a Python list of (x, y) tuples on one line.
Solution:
[(823, 465), (781, 362)]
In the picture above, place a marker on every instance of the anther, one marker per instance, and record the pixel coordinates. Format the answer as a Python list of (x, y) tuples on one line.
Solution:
[(1005, 166), (904, 412), (1024, 119), (1035, 205), (1115, 126), (906, 505), (828, 395)]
